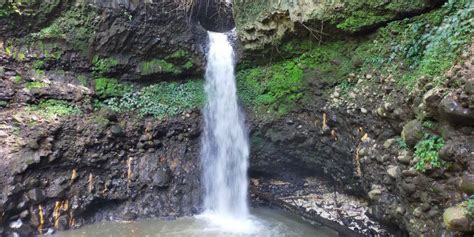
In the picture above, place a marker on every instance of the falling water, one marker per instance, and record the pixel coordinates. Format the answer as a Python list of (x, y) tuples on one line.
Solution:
[(225, 147)]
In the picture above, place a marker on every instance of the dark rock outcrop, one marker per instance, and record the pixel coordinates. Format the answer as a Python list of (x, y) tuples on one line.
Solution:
[(88, 172)]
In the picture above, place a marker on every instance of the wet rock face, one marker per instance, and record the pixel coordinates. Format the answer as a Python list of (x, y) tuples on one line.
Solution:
[(295, 144), (215, 15), (88, 171), (142, 39), (266, 22)]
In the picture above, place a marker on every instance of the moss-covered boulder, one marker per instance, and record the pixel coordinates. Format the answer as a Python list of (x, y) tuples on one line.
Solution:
[(456, 219), (412, 132), (467, 184)]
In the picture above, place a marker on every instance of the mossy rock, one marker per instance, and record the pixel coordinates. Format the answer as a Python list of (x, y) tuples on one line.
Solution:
[(413, 132), (456, 219), (467, 184), (108, 87)]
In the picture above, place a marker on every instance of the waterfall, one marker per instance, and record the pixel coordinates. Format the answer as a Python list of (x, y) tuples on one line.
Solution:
[(225, 148)]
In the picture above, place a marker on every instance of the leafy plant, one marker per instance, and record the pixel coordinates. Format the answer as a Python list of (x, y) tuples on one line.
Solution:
[(428, 124), (36, 85), (52, 108), (102, 66), (402, 144), (17, 79), (427, 151), (108, 87), (160, 100), (469, 208), (38, 64)]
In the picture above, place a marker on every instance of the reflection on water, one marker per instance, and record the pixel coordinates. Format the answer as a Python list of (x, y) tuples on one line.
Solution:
[(269, 223)]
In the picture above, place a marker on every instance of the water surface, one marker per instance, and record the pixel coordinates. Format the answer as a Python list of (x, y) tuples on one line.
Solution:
[(268, 223)]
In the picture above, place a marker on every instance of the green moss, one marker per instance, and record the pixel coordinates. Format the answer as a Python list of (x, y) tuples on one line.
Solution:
[(75, 27), (423, 46), (108, 87), (157, 66), (362, 19), (51, 109), (5, 11), (469, 206), (35, 85), (82, 80), (276, 88), (160, 100), (17, 79), (3, 104), (38, 64), (103, 66), (174, 64)]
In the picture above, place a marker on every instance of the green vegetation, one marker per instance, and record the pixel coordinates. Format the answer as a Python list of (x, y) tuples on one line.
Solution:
[(102, 66), (423, 46), (160, 100), (175, 64), (158, 66), (82, 80), (277, 87), (434, 42), (6, 10), (427, 153), (108, 87), (358, 15), (36, 85), (38, 64), (402, 144), (52, 109), (17, 79), (360, 19), (428, 124), (3, 103), (469, 208), (75, 27)]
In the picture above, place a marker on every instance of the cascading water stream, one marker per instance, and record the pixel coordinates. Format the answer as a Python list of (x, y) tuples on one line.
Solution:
[(225, 148)]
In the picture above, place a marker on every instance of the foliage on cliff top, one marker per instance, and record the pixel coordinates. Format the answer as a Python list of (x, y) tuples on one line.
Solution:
[(426, 45), (163, 99)]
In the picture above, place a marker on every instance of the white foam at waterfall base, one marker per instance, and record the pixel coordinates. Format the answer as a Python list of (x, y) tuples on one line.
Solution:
[(225, 148)]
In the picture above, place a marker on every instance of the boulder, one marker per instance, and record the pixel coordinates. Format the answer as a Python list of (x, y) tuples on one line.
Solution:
[(453, 112), (467, 184), (431, 101), (455, 219), (412, 132)]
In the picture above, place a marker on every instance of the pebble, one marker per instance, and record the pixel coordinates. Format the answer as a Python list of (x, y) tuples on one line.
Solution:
[(393, 171)]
